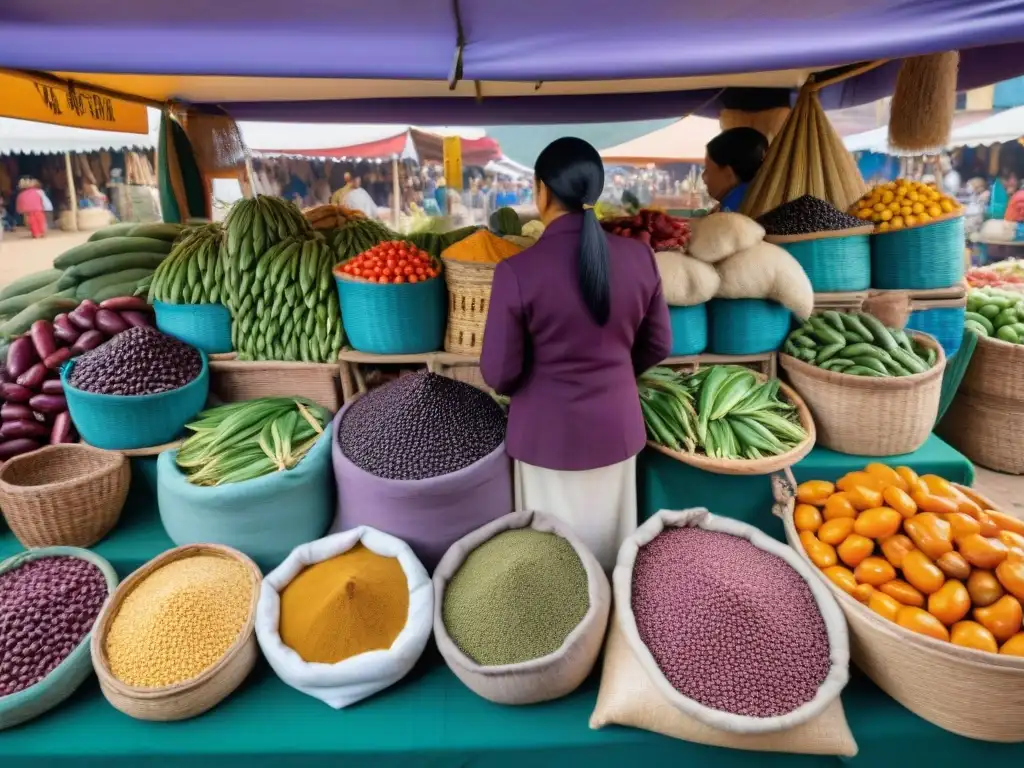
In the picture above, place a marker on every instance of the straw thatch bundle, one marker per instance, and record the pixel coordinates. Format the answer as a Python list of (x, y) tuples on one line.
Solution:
[(768, 121), (924, 102), (806, 158)]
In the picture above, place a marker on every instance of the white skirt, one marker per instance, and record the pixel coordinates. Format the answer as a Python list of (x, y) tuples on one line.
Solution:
[(599, 504)]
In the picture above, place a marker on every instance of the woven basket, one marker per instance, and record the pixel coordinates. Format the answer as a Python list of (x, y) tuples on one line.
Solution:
[(233, 381), (64, 495), (746, 326), (753, 466), (930, 256), (968, 692), (689, 329), (945, 323), (834, 261), (407, 318), (869, 416), (469, 296), (65, 678), (203, 326), (995, 373), (988, 435), (192, 697)]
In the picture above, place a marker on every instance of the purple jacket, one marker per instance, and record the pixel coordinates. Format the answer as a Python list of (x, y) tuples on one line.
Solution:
[(573, 383)]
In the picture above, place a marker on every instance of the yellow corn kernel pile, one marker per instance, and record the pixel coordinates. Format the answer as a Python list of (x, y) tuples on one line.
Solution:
[(179, 621), (903, 203)]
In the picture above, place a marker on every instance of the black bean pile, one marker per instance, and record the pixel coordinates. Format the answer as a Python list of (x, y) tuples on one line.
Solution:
[(421, 425), (806, 215), (47, 607), (139, 361)]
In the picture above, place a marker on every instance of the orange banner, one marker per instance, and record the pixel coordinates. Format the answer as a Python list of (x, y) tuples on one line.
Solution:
[(26, 98)]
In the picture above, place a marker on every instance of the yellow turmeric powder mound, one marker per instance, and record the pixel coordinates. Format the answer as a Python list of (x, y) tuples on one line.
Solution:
[(355, 602), (482, 247)]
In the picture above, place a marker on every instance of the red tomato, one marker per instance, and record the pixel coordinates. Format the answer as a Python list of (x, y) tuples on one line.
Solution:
[(408, 271), (392, 263), (398, 279), (420, 271), (403, 262), (413, 278), (387, 272)]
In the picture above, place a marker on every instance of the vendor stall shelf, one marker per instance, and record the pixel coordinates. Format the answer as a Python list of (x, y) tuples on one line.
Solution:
[(842, 301)]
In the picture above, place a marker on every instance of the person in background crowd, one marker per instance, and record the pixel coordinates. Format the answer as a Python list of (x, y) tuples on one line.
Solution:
[(293, 188), (429, 186), (30, 205), (339, 194), (732, 160), (951, 180), (573, 320), (358, 199)]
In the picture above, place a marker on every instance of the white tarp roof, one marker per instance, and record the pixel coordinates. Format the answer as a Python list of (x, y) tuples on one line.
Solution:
[(509, 167), (1004, 126), (31, 138), (261, 137)]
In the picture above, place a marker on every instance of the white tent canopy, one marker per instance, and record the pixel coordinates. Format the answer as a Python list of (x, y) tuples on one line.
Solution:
[(875, 140), (25, 136), (509, 167), (1002, 127), (276, 138)]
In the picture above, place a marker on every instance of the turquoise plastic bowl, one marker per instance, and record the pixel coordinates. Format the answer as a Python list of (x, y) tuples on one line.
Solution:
[(946, 324), (204, 326), (920, 258), (123, 422), (746, 326), (689, 329), (35, 700), (834, 263), (403, 319)]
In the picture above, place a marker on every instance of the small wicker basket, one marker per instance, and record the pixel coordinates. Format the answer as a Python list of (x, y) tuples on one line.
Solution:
[(192, 697), (469, 296), (64, 495)]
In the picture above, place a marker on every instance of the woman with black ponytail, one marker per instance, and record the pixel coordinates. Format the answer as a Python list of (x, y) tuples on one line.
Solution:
[(573, 320)]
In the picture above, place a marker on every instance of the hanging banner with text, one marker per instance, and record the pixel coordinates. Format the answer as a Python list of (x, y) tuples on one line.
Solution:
[(453, 161), (26, 98)]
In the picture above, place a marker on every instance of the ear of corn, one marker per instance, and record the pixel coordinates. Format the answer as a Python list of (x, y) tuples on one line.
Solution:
[(242, 441)]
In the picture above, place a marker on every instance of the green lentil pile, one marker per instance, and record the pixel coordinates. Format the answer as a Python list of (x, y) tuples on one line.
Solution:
[(516, 598)]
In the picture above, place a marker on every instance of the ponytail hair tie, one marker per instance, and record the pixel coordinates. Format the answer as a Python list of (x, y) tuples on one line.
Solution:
[(588, 207)]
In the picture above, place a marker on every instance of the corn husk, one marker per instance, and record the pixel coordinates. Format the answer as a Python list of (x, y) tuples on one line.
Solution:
[(806, 158), (924, 102)]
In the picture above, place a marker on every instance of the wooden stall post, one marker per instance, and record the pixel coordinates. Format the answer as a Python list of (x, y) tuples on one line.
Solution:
[(396, 194), (72, 197)]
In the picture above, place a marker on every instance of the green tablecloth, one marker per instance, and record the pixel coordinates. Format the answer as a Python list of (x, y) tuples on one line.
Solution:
[(431, 719), (665, 483)]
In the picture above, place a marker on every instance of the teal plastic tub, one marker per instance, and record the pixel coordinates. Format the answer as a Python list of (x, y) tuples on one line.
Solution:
[(403, 319), (946, 324), (123, 422), (834, 264), (746, 326), (920, 258), (689, 329), (265, 518), (204, 326), (64, 680)]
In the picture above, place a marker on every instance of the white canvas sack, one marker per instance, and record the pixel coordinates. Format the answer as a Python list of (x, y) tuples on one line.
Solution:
[(357, 677)]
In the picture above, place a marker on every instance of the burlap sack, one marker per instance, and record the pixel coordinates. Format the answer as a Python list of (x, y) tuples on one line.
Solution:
[(718, 235), (767, 271), (686, 281), (628, 697), (549, 677)]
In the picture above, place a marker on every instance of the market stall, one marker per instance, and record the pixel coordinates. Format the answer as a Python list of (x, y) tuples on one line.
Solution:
[(299, 538)]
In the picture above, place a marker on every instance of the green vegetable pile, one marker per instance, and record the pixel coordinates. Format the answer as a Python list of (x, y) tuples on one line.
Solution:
[(194, 271), (722, 411), (996, 313), (243, 441), (858, 343)]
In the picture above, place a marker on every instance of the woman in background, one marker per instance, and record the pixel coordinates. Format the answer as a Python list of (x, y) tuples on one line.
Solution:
[(573, 321), (731, 162), (30, 205)]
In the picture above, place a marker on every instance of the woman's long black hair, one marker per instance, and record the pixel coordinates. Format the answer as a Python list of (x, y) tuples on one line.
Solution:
[(573, 172)]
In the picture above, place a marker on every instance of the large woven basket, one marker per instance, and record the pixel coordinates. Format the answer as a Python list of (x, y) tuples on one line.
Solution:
[(469, 296), (929, 256), (76, 667), (234, 380), (764, 466), (870, 416), (995, 372), (968, 692), (192, 697), (64, 495), (987, 433), (837, 261)]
